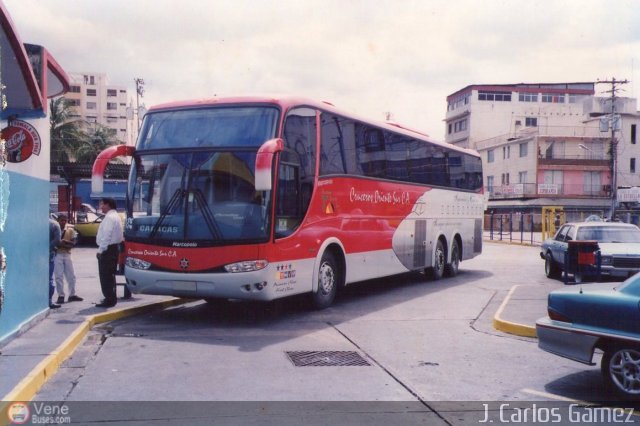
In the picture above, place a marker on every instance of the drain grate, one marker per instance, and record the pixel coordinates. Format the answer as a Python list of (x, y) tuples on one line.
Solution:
[(327, 359)]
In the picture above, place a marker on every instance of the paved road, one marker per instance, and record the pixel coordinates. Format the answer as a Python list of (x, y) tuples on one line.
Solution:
[(431, 348), (431, 339)]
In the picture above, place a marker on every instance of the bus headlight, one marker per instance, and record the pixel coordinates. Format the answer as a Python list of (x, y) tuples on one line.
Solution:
[(133, 262), (246, 266)]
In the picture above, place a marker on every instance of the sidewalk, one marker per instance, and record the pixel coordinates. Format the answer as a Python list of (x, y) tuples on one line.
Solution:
[(522, 307), (28, 360)]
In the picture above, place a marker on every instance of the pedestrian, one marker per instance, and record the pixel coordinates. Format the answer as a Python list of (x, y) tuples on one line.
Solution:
[(108, 239), (63, 264), (54, 241)]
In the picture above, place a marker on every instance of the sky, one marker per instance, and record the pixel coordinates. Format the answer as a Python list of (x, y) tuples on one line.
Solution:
[(369, 57)]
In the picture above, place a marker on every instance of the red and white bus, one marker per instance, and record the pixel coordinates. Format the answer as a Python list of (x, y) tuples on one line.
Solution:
[(261, 198)]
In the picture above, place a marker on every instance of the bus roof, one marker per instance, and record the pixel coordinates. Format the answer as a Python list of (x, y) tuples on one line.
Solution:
[(286, 102)]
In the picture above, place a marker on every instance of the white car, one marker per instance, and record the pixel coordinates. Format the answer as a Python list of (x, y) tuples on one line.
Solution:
[(618, 243)]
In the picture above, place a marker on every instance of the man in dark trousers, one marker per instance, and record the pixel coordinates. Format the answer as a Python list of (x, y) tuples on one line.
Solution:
[(108, 239)]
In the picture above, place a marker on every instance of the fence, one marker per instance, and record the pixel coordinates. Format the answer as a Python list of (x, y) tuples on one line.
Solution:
[(526, 228)]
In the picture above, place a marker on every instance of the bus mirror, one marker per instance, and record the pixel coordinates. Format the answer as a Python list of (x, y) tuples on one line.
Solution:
[(264, 163)]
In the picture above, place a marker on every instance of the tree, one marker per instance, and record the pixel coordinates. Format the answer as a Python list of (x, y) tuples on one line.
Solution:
[(94, 141), (76, 140), (65, 133)]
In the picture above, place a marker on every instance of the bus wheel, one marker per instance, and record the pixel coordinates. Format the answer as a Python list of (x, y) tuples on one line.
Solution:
[(328, 281), (437, 270), (451, 269)]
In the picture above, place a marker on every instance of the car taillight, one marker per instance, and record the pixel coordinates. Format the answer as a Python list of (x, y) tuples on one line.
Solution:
[(557, 316)]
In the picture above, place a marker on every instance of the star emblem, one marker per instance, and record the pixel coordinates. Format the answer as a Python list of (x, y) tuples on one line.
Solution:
[(184, 263)]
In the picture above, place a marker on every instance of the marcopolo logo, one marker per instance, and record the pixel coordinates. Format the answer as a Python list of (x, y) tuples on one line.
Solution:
[(22, 140)]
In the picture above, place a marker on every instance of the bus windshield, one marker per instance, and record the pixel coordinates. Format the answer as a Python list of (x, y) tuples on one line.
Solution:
[(192, 178), (208, 127)]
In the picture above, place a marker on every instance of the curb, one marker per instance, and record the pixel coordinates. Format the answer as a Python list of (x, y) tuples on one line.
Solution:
[(27, 388), (509, 326)]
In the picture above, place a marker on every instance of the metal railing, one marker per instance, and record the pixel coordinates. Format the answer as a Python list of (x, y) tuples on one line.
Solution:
[(533, 190)]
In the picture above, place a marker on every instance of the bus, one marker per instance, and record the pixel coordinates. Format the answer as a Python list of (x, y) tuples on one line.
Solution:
[(261, 198)]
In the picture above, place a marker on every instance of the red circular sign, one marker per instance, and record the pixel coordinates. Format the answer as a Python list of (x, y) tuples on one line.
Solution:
[(21, 141)]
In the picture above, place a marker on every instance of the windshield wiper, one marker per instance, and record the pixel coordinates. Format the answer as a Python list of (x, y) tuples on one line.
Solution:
[(175, 200), (206, 213)]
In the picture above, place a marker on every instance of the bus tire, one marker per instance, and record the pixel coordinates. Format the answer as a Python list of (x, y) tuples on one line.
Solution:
[(451, 269), (436, 271), (328, 281)]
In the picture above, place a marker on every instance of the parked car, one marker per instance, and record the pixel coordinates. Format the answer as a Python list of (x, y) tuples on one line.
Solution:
[(87, 225), (582, 319), (619, 245)]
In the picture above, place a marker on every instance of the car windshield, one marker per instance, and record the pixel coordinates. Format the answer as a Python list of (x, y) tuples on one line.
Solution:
[(610, 234)]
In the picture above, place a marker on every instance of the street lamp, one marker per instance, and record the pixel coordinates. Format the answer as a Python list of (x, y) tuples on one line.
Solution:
[(139, 94)]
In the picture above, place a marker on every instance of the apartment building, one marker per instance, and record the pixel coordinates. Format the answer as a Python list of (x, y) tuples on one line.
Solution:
[(97, 101), (548, 144)]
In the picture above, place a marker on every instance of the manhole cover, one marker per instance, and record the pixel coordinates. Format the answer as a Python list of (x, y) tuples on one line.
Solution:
[(326, 358)]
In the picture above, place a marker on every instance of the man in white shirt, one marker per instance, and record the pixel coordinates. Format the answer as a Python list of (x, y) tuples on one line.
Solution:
[(108, 239)]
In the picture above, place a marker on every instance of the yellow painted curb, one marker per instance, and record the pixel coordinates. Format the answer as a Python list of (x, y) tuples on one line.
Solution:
[(26, 389), (509, 326)]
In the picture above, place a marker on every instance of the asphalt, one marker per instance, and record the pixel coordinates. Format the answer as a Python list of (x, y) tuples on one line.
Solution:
[(31, 357)]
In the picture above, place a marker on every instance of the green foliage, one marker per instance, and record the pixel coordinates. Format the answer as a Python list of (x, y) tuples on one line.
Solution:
[(76, 140)]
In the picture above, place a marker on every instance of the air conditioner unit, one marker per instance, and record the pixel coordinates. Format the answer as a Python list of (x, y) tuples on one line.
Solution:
[(518, 123), (606, 188)]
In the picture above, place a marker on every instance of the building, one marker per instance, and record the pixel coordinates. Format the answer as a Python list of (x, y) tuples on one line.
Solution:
[(97, 101), (29, 76), (548, 144)]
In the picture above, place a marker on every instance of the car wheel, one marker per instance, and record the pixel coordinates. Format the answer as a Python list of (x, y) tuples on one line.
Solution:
[(551, 269), (621, 370), (436, 271), (451, 269), (328, 280)]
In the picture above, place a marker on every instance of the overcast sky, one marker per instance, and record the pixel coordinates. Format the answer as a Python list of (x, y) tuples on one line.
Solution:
[(368, 57)]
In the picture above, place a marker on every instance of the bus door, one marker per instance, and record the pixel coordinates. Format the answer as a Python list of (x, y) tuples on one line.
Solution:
[(297, 170)]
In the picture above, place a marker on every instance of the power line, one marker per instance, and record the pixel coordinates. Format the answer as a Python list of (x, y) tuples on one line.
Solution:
[(613, 123)]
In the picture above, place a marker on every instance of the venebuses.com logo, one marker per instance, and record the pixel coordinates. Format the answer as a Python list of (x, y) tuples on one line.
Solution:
[(20, 413)]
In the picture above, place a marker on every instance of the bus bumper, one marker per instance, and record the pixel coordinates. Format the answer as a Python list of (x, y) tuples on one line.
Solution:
[(256, 285)]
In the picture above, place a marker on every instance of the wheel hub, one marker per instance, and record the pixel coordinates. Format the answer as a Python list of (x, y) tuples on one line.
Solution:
[(326, 278)]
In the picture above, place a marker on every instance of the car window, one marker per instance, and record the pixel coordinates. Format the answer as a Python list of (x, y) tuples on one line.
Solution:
[(610, 234), (571, 233), (562, 233)]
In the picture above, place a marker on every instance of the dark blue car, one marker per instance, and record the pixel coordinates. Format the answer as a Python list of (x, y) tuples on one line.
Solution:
[(599, 316)]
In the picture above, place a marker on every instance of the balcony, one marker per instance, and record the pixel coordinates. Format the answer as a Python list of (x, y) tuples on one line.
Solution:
[(591, 160), (547, 190)]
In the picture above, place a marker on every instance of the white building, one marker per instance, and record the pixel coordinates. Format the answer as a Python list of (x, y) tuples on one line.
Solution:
[(542, 144), (97, 101)]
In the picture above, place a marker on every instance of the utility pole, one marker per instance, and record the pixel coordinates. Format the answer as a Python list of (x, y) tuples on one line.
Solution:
[(139, 94), (613, 124)]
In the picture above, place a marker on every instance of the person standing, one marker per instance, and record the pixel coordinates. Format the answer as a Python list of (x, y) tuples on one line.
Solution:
[(63, 264), (108, 239), (54, 241)]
